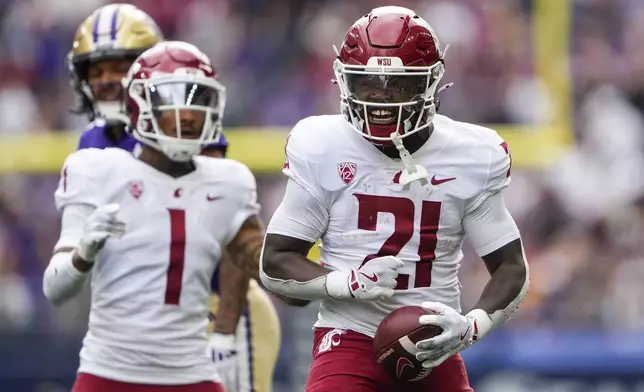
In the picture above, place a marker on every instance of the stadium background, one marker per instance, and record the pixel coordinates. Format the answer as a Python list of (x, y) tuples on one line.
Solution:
[(563, 80)]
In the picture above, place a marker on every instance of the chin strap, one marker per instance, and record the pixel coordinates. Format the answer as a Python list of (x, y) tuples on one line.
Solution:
[(412, 171)]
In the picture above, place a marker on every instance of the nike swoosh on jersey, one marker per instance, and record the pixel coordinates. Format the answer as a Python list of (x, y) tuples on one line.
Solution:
[(437, 181)]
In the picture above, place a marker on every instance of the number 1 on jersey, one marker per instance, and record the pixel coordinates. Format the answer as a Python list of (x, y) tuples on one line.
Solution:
[(177, 256), (403, 211)]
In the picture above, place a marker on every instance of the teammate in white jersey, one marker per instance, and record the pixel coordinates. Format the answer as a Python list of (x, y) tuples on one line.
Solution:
[(246, 339), (149, 231), (392, 189)]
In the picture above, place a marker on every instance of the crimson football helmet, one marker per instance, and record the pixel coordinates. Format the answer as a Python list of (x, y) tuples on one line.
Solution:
[(388, 70), (174, 76)]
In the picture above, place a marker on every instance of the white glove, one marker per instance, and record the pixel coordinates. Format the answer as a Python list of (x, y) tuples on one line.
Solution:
[(457, 334), (222, 350), (100, 225), (376, 279)]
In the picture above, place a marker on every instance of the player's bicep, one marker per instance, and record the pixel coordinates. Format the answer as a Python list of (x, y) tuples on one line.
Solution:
[(301, 215), (490, 226), (246, 247)]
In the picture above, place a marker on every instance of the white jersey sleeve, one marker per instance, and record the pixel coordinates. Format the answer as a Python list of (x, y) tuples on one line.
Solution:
[(76, 197), (302, 161), (299, 215), (304, 211), (490, 226), (487, 222), (244, 187), (80, 181), (498, 172)]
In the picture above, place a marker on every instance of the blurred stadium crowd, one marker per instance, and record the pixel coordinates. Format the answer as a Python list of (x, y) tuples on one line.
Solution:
[(582, 219)]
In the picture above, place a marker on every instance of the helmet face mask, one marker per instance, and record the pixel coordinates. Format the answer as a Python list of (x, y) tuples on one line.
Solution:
[(379, 101), (178, 116), (175, 103), (388, 71)]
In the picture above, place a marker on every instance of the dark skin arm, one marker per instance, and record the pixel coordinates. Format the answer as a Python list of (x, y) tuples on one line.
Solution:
[(219, 153), (508, 274), (286, 258), (246, 249), (233, 286), (233, 283)]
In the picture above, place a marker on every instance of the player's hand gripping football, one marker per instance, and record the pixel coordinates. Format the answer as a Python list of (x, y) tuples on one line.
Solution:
[(376, 279), (100, 225), (222, 350), (458, 333)]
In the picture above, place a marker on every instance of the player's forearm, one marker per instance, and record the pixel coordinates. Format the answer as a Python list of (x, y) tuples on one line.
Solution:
[(62, 280), (288, 272), (506, 289), (233, 288)]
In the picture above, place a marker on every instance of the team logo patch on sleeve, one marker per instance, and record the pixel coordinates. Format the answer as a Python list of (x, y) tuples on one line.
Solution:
[(136, 188), (347, 171)]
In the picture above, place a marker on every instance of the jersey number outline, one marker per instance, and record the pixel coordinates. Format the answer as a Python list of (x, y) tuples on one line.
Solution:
[(403, 210), (506, 148), (177, 256), (286, 163)]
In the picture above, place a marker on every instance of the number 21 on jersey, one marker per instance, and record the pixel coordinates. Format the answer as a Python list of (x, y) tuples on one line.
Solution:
[(403, 210)]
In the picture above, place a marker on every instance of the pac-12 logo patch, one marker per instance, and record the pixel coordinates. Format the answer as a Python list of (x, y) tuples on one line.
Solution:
[(136, 188), (347, 171)]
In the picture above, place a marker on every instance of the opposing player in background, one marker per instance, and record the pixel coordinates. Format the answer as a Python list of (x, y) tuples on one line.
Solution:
[(150, 230), (246, 342), (392, 188), (105, 45)]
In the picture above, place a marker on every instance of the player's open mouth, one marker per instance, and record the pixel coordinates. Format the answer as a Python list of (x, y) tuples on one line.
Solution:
[(382, 116), (190, 134)]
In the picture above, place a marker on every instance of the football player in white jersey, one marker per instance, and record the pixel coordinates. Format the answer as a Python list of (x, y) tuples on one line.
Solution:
[(148, 231), (105, 45), (392, 188)]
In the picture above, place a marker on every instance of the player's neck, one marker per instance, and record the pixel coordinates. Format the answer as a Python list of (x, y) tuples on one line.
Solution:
[(162, 163), (115, 132), (412, 143)]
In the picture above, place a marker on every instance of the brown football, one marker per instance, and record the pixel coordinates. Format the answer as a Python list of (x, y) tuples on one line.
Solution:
[(395, 342)]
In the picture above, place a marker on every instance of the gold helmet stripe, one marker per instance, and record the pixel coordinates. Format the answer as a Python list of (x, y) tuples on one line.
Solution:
[(105, 22)]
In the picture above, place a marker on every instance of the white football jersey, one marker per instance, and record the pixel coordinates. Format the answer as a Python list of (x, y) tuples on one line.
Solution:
[(150, 288), (370, 215)]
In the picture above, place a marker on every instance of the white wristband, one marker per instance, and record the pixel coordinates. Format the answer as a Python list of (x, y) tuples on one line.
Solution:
[(61, 280), (222, 341)]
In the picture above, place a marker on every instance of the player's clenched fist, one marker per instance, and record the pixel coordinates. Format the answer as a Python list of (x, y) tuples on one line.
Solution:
[(375, 279), (100, 225)]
